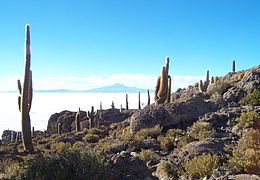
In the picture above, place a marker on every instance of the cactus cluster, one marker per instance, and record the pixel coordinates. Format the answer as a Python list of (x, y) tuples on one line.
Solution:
[(25, 97), (203, 86), (163, 85)]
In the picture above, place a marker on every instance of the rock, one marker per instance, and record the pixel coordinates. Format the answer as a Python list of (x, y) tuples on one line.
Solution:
[(240, 177), (198, 148), (109, 116), (8, 136), (168, 115), (249, 82), (125, 166)]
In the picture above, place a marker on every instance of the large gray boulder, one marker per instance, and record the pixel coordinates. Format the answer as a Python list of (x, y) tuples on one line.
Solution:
[(170, 115)]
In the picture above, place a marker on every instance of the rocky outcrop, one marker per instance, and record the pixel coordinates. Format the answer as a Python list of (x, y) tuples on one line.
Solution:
[(249, 82), (67, 119), (8, 136), (170, 115)]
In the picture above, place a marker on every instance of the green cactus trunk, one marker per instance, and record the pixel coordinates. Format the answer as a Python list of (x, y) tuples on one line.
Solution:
[(91, 116), (169, 89), (25, 98), (139, 100), (59, 128), (126, 101), (234, 66), (77, 121), (148, 93)]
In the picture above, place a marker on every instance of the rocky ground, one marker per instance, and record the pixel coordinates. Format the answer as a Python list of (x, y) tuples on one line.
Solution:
[(213, 134)]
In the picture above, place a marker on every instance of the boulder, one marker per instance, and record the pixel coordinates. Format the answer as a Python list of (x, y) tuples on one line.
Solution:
[(125, 166), (8, 136), (172, 115), (198, 148)]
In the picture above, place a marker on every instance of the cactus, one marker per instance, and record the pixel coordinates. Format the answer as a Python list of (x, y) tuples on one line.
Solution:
[(148, 93), (126, 101), (139, 100), (91, 116), (201, 86), (33, 132), (168, 100), (163, 89), (100, 106), (77, 121), (25, 97), (216, 78), (59, 128), (121, 108), (18, 136), (234, 66), (207, 79), (113, 105), (212, 80)]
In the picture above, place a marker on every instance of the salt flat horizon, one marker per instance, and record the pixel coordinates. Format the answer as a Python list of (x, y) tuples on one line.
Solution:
[(46, 104)]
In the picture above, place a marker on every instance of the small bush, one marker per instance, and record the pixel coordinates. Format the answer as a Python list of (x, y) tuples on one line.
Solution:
[(68, 164), (248, 120), (58, 147), (252, 98), (200, 130), (91, 138), (246, 158), (170, 139), (149, 132), (148, 155), (200, 166), (221, 87), (9, 169)]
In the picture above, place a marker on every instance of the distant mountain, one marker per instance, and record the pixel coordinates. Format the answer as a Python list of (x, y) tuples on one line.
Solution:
[(116, 88)]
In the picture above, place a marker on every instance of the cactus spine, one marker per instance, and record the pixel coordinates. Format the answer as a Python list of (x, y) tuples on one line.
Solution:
[(234, 66), (25, 98), (91, 116), (126, 101), (77, 121), (162, 89), (148, 93), (59, 128)]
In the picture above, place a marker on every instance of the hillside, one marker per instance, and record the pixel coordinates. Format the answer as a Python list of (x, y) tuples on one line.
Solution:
[(208, 130)]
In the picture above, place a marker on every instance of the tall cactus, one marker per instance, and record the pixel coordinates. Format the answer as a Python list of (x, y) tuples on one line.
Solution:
[(163, 89), (77, 121), (148, 94), (25, 98), (91, 116), (139, 100), (234, 66), (113, 105), (126, 101)]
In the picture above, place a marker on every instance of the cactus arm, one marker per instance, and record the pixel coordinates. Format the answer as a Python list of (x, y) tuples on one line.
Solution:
[(19, 86), (157, 88)]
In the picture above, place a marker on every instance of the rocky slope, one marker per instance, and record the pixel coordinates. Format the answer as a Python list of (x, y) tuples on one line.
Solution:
[(198, 135)]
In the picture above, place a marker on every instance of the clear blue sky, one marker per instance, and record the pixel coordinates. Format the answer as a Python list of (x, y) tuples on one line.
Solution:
[(93, 37)]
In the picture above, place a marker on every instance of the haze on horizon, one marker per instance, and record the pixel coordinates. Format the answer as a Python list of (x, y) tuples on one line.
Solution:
[(88, 44)]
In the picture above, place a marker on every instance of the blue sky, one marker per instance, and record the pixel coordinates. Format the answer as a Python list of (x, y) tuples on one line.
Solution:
[(84, 44)]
